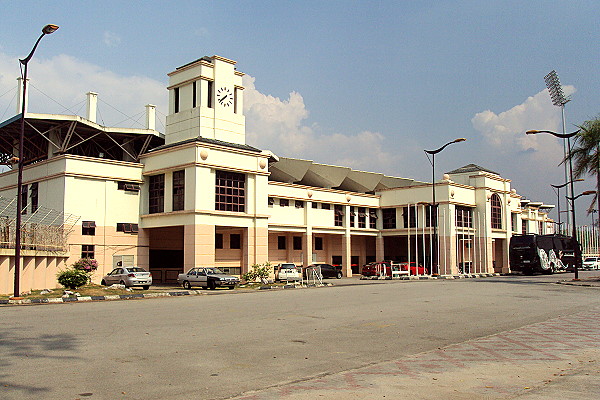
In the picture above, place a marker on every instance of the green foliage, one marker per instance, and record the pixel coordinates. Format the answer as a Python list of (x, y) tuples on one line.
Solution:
[(72, 278), (585, 155), (258, 271)]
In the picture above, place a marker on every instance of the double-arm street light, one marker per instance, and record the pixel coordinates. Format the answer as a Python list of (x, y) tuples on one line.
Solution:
[(577, 249), (47, 30), (568, 137), (558, 187), (434, 261)]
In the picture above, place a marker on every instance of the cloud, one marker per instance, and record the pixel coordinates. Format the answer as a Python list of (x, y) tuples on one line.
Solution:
[(111, 39), (507, 129), (280, 126), (59, 84)]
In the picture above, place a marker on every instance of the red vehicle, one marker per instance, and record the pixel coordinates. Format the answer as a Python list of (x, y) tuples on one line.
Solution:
[(386, 267)]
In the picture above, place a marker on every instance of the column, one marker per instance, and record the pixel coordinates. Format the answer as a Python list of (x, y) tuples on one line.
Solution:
[(346, 255), (198, 246), (379, 247)]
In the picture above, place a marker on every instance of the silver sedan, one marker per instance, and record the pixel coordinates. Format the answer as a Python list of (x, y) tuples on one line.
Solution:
[(128, 276)]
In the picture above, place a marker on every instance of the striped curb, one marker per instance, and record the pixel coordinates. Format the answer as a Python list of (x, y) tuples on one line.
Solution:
[(78, 299)]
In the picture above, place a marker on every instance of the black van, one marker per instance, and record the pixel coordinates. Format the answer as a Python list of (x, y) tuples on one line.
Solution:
[(546, 254)]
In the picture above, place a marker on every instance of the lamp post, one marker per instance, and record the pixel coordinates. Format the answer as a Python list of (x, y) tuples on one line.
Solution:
[(434, 261), (559, 100), (558, 187), (47, 30), (566, 136), (578, 248)]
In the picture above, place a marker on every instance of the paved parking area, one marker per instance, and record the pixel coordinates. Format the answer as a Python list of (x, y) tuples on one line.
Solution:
[(559, 358)]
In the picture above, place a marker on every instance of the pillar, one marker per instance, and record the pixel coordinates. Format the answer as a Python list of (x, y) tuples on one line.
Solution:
[(379, 248), (198, 246)]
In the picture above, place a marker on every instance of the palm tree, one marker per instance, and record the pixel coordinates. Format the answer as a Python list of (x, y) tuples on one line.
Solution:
[(585, 155)]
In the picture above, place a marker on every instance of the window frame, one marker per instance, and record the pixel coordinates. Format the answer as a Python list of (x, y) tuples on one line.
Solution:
[(495, 211), (230, 191), (156, 194), (178, 179)]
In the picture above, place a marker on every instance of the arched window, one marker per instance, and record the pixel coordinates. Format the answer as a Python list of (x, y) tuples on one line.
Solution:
[(496, 206)]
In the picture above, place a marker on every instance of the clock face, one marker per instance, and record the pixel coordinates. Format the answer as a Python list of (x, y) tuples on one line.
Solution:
[(224, 97)]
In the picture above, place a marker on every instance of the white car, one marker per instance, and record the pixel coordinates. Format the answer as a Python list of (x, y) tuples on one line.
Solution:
[(591, 263), (288, 272), (128, 277)]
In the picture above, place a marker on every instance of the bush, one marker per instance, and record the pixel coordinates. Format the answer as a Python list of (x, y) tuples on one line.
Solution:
[(73, 278), (259, 271), (86, 264)]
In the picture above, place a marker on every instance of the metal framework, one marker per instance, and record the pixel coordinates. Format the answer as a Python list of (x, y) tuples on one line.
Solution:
[(43, 230), (48, 137)]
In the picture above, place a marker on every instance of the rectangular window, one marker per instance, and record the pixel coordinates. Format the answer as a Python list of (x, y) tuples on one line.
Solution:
[(178, 190), (514, 222), (373, 219), (127, 227), (362, 217), (24, 199), (209, 101), (194, 86), (235, 241), (271, 201), (389, 218), (284, 203), (230, 194), (156, 194), (235, 100), (409, 215), (297, 242), (430, 216), (338, 215), (325, 206), (176, 99), (352, 217), (88, 228), (34, 197), (524, 226), (314, 205), (87, 251), (299, 204), (128, 186), (218, 241), (281, 243), (464, 217), (318, 243), (540, 227)]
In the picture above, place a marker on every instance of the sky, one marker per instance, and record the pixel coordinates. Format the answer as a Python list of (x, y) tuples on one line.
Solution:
[(364, 84)]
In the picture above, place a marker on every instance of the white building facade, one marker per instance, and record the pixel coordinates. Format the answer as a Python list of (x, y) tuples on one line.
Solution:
[(200, 195)]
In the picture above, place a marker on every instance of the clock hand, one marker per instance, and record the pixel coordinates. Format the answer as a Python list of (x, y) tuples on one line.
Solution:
[(223, 98)]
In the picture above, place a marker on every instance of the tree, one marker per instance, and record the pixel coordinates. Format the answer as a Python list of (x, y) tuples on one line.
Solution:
[(585, 155)]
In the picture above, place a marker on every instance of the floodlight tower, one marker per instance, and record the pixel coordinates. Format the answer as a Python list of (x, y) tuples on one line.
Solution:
[(559, 100)]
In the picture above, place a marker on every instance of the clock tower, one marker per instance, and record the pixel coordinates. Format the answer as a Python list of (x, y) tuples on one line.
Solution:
[(206, 99)]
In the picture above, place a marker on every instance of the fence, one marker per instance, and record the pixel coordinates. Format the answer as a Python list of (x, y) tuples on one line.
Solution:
[(44, 229)]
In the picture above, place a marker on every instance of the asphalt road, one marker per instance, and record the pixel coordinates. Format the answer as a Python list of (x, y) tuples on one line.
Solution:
[(218, 346)]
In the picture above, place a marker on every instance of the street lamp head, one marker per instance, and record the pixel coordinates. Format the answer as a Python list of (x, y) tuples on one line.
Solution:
[(558, 135), (50, 28), (588, 192), (462, 139)]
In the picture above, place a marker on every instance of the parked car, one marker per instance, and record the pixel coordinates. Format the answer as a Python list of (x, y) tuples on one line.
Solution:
[(386, 268), (327, 270), (591, 263), (287, 272), (207, 277), (128, 276), (376, 268)]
